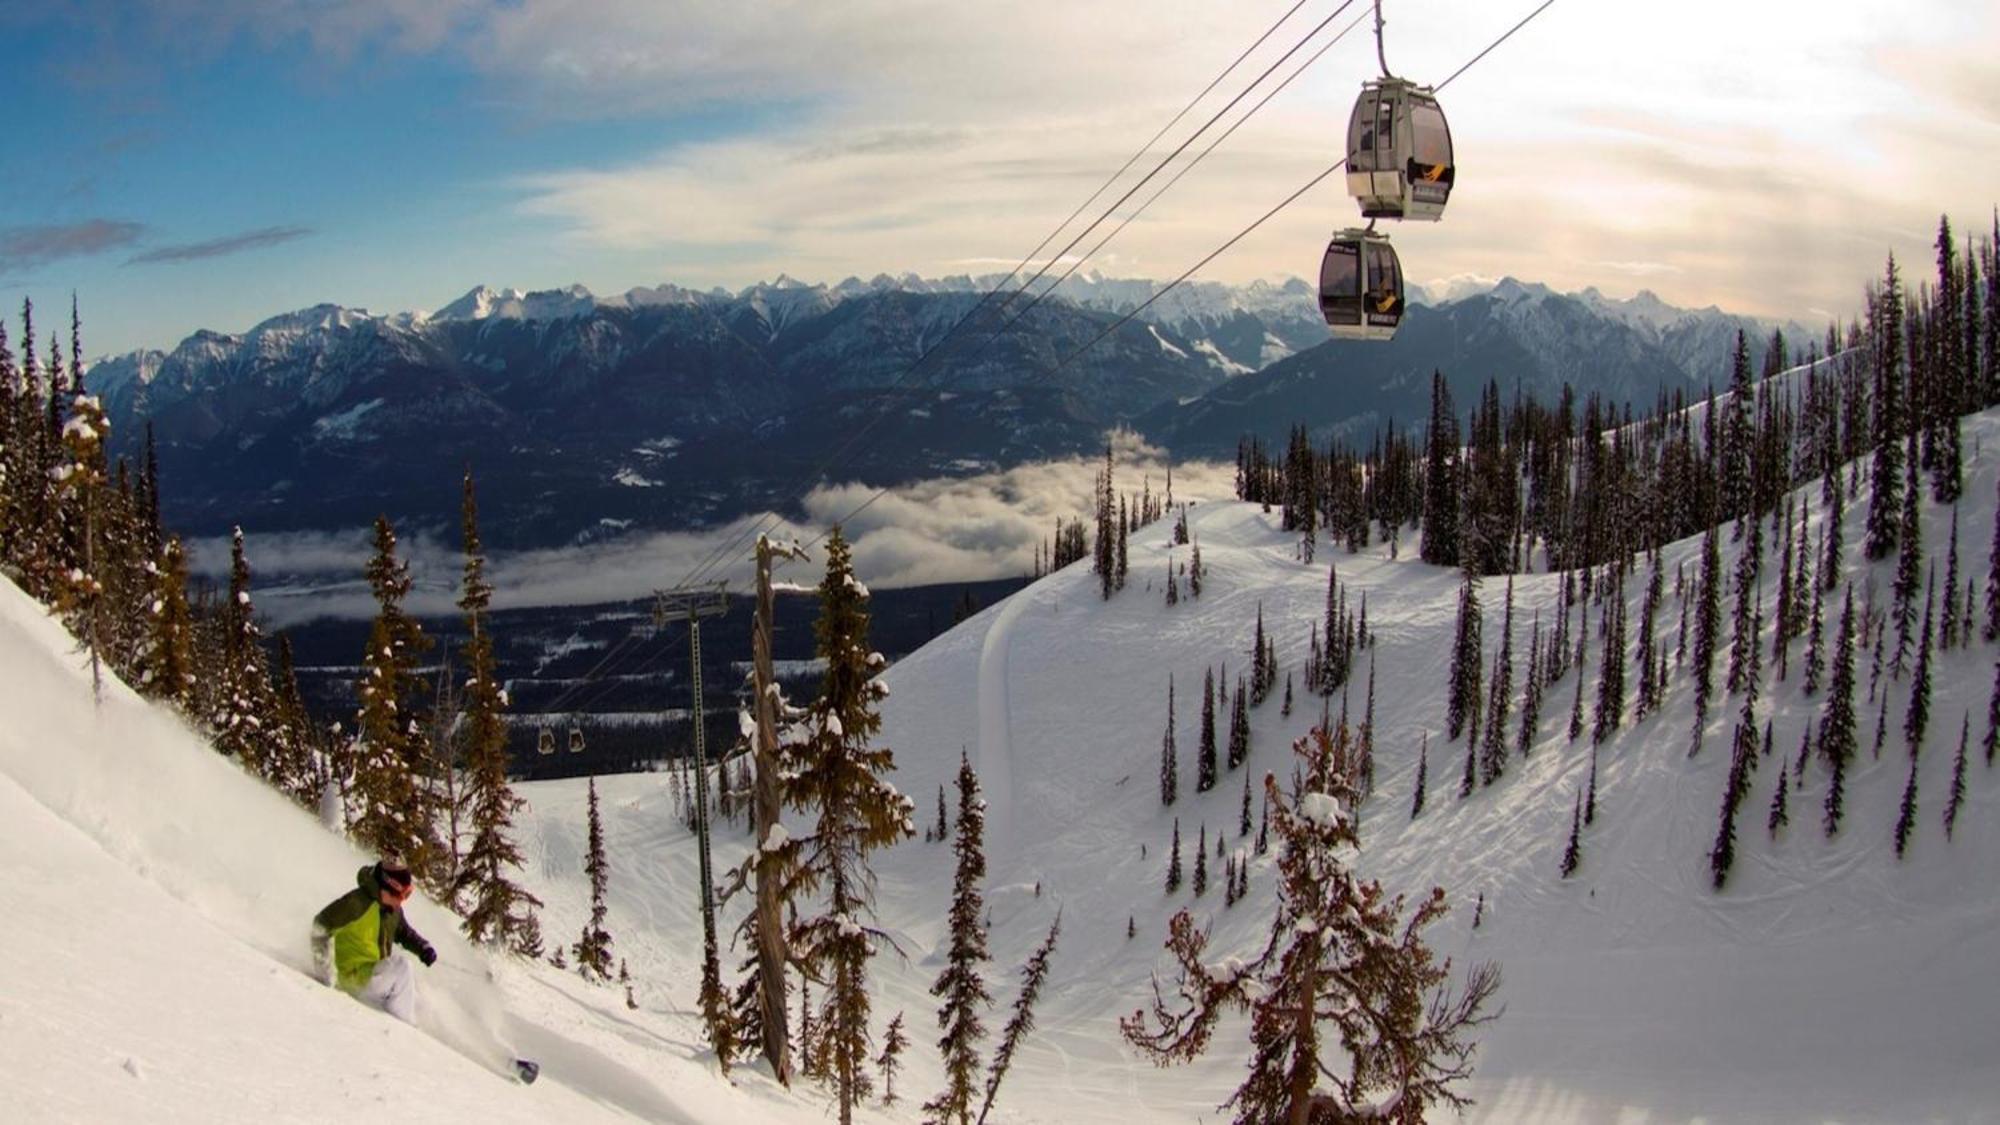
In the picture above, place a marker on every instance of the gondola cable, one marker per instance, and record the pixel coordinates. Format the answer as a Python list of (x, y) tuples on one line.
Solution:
[(716, 556), (1077, 263), (729, 547), (1239, 236)]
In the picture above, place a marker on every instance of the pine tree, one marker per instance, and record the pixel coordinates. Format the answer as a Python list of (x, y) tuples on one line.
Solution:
[(1170, 769), (1123, 562), (1195, 571), (1423, 777), (1493, 752), (1576, 704), (1201, 864), (496, 908), (1652, 684), (244, 693), (1365, 771), (1204, 776), (1590, 790), (1885, 315), (397, 813), (1948, 627), (593, 949), (1174, 860), (1441, 485), (840, 776), (890, 1060), (1917, 718), (1034, 975), (1743, 645), (1463, 694), (1260, 684), (1993, 572), (1341, 967), (1611, 669), (1531, 698), (1239, 727), (1815, 653), (1243, 819), (1574, 852), (1992, 741), (1836, 725), (961, 986), (166, 659), (1957, 794), (1707, 627), (1470, 777), (1909, 559), (1285, 710), (1722, 856), (1906, 816), (1779, 817)]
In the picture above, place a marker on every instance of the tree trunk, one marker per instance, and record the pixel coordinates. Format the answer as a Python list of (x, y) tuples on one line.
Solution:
[(771, 952), (1305, 1062)]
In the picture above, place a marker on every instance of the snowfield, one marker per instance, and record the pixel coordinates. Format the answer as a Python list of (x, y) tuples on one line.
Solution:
[(158, 971)]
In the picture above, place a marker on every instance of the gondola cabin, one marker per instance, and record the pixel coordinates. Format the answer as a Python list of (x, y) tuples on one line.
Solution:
[(545, 742), (1361, 286), (1399, 162)]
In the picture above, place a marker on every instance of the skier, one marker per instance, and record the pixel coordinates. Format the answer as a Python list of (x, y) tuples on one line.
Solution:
[(352, 935)]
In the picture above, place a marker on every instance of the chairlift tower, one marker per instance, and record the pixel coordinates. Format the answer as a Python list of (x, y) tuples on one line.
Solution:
[(691, 604)]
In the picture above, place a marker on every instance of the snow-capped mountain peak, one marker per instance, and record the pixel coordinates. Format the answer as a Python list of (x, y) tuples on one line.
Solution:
[(484, 302)]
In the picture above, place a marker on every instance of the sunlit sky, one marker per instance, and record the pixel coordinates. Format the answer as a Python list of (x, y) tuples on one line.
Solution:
[(182, 164)]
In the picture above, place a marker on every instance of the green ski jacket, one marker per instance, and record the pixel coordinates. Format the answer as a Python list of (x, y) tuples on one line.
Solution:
[(361, 929)]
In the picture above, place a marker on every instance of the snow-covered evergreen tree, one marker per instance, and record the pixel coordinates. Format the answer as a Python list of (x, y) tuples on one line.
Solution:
[(392, 753), (1205, 773), (244, 696), (1342, 966), (497, 908), (840, 778), (1836, 725), (961, 986), (593, 949)]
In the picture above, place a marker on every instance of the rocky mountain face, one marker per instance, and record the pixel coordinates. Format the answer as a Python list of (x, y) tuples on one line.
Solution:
[(1524, 336), (670, 407), (665, 408)]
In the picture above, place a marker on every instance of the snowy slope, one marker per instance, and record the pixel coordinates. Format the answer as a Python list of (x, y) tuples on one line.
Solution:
[(156, 973), (156, 968), (1828, 982)]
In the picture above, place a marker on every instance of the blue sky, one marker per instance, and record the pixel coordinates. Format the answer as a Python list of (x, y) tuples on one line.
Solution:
[(207, 163)]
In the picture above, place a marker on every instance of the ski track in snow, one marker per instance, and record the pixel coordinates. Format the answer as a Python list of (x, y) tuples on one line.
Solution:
[(995, 761)]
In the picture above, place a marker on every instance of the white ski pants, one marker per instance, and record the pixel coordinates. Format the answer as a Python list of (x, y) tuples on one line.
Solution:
[(393, 988)]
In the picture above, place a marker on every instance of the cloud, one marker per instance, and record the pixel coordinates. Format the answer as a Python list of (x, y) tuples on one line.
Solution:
[(26, 248), (963, 529), (218, 247)]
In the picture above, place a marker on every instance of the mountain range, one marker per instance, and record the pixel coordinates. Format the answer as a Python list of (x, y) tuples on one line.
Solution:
[(672, 407)]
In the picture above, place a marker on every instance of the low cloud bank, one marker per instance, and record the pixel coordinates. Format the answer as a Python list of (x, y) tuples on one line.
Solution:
[(967, 529)]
